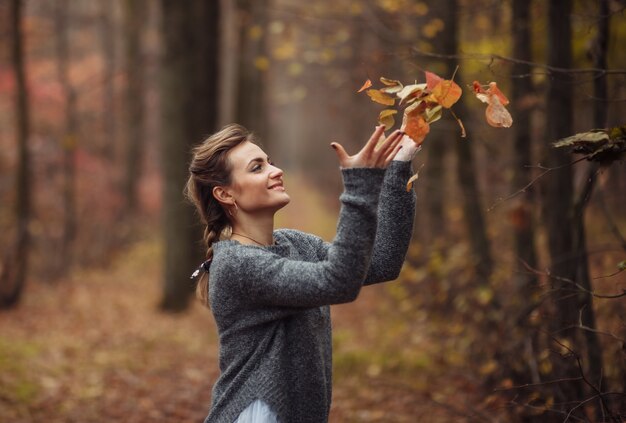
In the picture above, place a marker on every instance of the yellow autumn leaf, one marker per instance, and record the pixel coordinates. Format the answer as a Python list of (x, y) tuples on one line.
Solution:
[(386, 118), (393, 86), (380, 97)]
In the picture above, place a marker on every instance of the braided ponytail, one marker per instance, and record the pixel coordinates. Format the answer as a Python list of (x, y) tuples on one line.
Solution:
[(210, 168)]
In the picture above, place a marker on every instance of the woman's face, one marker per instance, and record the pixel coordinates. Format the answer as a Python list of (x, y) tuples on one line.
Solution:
[(256, 184)]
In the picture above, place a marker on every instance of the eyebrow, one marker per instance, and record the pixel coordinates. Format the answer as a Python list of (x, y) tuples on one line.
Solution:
[(258, 159)]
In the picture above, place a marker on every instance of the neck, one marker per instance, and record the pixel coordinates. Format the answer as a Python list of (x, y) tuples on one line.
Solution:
[(259, 228)]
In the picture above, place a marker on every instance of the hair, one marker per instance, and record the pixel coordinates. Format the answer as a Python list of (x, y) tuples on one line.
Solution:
[(209, 168)]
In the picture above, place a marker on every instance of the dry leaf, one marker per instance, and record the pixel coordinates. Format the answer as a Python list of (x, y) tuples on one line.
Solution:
[(409, 183), (415, 126), (386, 118), (410, 91), (447, 93), (412, 179), (380, 97), (365, 86), (432, 80), (390, 82), (494, 90), (392, 86), (497, 115)]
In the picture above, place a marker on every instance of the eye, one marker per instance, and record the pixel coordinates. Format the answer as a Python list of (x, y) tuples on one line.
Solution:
[(256, 168)]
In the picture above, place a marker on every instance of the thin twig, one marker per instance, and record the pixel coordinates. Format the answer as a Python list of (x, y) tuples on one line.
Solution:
[(535, 179), (571, 282), (531, 385), (493, 57), (587, 328), (599, 393)]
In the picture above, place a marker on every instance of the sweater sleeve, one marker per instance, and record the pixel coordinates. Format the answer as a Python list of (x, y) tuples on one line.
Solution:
[(396, 213), (267, 279)]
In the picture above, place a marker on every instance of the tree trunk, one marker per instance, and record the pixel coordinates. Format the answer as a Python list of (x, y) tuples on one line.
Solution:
[(107, 38), (251, 107), (134, 18), (466, 176), (438, 143), (558, 192), (69, 140), (14, 270), (189, 101), (587, 314), (522, 90)]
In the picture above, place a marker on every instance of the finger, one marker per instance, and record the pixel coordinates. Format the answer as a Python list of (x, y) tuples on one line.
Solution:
[(391, 156), (371, 143), (341, 153), (391, 142), (389, 148)]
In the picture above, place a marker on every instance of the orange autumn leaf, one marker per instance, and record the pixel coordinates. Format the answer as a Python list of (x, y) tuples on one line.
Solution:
[(415, 126), (365, 86), (432, 80), (494, 90), (446, 92), (496, 114), (380, 97)]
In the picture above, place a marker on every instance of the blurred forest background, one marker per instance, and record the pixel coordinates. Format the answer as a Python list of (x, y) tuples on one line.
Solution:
[(511, 304)]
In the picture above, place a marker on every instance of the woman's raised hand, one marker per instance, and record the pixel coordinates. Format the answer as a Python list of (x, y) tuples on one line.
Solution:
[(371, 155)]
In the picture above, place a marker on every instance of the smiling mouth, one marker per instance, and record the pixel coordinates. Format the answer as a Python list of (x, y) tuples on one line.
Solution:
[(279, 186)]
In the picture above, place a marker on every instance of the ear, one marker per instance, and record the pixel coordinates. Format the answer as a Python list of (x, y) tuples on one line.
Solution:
[(223, 196)]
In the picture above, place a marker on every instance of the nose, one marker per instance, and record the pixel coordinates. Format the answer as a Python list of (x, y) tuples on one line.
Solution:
[(276, 172)]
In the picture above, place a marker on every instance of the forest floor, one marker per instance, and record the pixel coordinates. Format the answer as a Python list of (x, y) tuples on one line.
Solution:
[(95, 347)]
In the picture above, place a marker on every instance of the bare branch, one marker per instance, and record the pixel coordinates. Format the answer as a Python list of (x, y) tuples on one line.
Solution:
[(535, 179), (600, 395), (493, 57), (571, 282), (532, 385)]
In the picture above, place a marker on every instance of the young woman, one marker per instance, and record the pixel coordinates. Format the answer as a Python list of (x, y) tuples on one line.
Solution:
[(270, 290)]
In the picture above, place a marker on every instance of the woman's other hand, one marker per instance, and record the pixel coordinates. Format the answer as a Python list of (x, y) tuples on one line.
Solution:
[(372, 155)]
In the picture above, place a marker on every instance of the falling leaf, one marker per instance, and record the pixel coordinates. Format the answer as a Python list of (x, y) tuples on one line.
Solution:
[(494, 90), (415, 126), (365, 86), (409, 183), (433, 114), (392, 86), (386, 118), (497, 115), (446, 92), (412, 179), (413, 90), (432, 80), (380, 97), (390, 82)]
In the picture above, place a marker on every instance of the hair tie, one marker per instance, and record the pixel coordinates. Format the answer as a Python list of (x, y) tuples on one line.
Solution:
[(204, 267)]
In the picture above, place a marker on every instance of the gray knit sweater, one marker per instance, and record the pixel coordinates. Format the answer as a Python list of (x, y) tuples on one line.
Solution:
[(271, 304)]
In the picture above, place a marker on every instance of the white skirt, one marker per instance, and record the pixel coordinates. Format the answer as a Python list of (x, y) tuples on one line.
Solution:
[(257, 412)]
